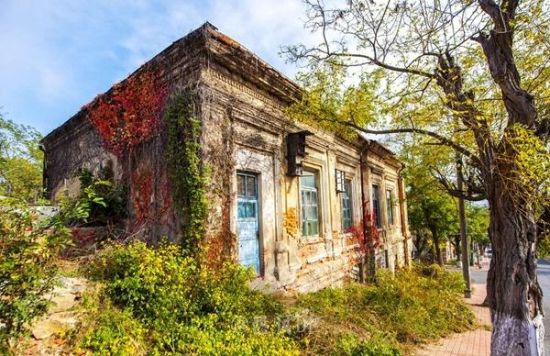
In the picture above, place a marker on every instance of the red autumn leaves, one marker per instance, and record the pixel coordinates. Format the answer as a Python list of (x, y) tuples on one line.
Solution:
[(129, 113), (368, 239)]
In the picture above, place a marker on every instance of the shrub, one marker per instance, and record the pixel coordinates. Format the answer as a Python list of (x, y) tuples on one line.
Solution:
[(422, 304), (350, 344), (110, 331), (99, 202), (184, 308), (163, 303), (156, 285), (347, 325), (28, 252), (414, 306)]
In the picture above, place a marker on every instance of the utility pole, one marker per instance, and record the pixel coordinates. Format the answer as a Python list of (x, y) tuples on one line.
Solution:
[(463, 232)]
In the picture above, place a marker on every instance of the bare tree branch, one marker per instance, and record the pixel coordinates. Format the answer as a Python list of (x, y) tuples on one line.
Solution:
[(440, 138)]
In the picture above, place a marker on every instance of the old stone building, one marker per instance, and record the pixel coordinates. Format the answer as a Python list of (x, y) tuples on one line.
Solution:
[(282, 197)]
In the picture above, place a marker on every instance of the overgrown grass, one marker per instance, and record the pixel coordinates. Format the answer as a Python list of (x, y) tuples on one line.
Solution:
[(154, 301), (389, 317)]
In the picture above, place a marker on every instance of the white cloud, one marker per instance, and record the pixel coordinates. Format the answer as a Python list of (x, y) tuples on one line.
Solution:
[(58, 54), (263, 26)]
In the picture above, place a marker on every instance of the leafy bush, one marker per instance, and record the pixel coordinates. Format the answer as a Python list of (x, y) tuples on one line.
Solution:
[(100, 202), (414, 306), (350, 344), (422, 304), (347, 325), (109, 330), (186, 309), (163, 302), (28, 252)]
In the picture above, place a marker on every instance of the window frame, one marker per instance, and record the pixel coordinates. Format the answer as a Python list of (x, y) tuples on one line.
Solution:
[(303, 205), (346, 196), (390, 214), (376, 206)]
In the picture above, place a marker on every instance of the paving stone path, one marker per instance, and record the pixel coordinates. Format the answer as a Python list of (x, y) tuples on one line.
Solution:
[(61, 317), (472, 343)]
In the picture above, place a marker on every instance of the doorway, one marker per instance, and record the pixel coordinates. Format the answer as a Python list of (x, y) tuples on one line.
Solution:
[(248, 224)]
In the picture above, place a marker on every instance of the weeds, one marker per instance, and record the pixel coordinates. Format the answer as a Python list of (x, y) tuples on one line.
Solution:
[(388, 317), (156, 301), (185, 309)]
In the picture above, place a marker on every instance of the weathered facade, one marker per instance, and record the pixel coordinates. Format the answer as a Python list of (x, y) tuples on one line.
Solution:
[(293, 228)]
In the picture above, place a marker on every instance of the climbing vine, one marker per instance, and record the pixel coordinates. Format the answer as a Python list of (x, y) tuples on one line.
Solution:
[(365, 234), (186, 173), (129, 113), (142, 184)]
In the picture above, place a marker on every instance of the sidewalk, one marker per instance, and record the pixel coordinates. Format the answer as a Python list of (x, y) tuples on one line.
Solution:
[(472, 343)]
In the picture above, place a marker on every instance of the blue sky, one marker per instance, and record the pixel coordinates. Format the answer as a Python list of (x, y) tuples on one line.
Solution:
[(57, 55)]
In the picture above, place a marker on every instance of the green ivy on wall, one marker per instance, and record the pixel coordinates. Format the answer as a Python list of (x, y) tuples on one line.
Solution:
[(186, 173)]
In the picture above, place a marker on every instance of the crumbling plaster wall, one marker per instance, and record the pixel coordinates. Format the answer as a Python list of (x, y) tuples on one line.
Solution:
[(243, 128), (77, 145), (247, 126), (384, 171)]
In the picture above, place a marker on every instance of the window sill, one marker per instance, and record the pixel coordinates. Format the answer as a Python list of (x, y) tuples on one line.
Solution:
[(309, 240)]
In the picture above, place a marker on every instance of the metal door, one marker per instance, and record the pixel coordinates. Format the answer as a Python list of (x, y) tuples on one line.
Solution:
[(247, 220)]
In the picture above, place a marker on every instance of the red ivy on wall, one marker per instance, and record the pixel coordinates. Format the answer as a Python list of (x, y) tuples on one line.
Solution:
[(130, 113), (166, 196), (367, 238), (142, 189)]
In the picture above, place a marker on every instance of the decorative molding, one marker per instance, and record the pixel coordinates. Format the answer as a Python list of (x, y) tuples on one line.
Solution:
[(256, 93)]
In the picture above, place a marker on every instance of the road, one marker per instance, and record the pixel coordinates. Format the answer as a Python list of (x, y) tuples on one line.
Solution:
[(543, 272), (478, 275)]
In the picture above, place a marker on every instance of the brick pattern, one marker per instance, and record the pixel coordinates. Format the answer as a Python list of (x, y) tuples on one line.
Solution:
[(472, 343)]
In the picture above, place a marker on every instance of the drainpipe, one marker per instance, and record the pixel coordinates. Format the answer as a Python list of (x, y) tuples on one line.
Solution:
[(362, 265)]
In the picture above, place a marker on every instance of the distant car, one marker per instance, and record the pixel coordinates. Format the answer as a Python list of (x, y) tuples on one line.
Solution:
[(488, 252)]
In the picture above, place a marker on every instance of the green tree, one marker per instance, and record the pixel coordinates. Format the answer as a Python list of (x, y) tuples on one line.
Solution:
[(477, 217), (432, 215), (20, 161), (432, 210), (469, 75), (28, 255)]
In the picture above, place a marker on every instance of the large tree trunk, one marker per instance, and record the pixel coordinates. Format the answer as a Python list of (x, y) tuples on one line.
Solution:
[(513, 292)]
